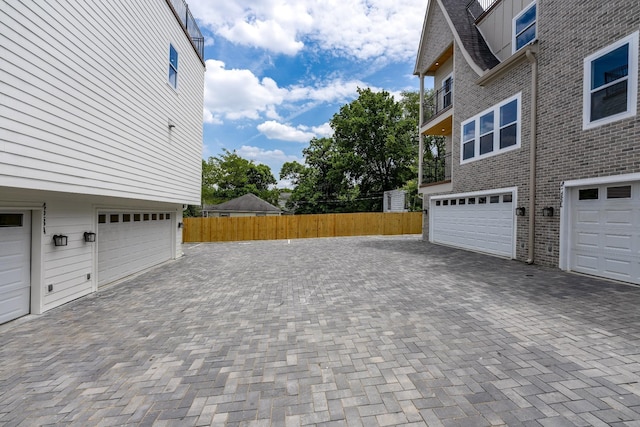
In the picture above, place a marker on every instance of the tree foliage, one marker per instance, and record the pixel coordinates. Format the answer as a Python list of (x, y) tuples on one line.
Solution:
[(229, 176), (374, 148)]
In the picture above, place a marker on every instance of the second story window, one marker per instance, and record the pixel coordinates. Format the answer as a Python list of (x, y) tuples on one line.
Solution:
[(491, 132), (611, 83), (524, 28), (173, 66)]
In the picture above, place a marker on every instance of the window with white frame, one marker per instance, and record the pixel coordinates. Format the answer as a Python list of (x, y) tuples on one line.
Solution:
[(524, 27), (491, 132), (173, 66), (611, 83), (447, 86)]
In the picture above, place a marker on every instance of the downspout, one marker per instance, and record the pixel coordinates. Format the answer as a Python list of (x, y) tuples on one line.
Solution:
[(420, 136), (532, 154)]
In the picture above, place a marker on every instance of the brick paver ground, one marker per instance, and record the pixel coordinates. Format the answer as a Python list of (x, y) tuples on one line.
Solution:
[(367, 331)]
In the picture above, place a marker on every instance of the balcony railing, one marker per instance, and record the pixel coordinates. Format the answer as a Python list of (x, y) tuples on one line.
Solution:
[(189, 24), (440, 101), (478, 7), (436, 169)]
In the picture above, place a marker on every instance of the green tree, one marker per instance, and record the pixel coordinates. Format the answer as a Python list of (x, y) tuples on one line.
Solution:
[(320, 185), (373, 149), (229, 176), (377, 138)]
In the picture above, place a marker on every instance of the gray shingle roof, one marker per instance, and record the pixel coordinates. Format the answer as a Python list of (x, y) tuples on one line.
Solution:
[(247, 203), (472, 40)]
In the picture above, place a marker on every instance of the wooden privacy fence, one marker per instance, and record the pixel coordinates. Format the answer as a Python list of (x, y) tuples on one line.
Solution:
[(299, 226)]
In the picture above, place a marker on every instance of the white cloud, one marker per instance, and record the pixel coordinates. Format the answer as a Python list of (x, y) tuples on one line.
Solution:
[(234, 94), (336, 90), (263, 156), (274, 130), (272, 158), (362, 29), (323, 130)]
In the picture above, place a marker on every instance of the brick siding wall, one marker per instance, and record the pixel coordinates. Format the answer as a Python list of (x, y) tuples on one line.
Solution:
[(565, 151), (438, 34), (509, 169)]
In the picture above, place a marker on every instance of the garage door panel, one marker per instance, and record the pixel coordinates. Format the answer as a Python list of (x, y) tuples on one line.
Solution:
[(483, 227), (12, 279), (604, 233), (587, 263), (618, 266), (588, 217), (13, 304), (15, 266), (126, 247), (587, 241), (618, 242), (618, 217)]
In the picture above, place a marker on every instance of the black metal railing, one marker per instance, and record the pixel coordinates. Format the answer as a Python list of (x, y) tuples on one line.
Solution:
[(436, 169), (441, 100), (189, 24), (477, 8)]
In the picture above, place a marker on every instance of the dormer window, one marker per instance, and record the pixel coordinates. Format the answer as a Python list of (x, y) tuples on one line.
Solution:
[(524, 27)]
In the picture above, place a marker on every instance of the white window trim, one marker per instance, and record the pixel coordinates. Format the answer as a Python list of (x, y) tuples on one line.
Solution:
[(632, 86), (496, 131), (513, 27), (172, 46)]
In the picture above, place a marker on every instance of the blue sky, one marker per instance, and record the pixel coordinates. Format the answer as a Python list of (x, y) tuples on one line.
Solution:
[(278, 70)]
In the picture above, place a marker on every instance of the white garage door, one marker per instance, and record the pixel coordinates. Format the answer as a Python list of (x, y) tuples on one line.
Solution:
[(15, 257), (605, 231), (130, 242), (480, 223)]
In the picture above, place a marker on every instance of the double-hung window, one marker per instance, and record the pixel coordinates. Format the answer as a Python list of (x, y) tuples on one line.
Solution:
[(524, 27), (611, 83), (468, 140), (486, 133), (447, 87), (491, 132), (173, 66)]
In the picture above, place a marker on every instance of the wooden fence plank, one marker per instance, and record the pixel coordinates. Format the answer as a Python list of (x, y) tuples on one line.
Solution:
[(300, 226)]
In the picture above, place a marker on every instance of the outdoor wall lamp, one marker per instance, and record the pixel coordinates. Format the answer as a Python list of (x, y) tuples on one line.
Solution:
[(548, 211), (179, 225), (60, 240), (520, 211), (89, 237), (171, 125)]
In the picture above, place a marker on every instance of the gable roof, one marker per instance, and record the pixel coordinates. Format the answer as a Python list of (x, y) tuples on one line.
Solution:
[(247, 203), (473, 46)]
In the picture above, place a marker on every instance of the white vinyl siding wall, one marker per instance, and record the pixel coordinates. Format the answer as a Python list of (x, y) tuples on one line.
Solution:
[(88, 111), (66, 267)]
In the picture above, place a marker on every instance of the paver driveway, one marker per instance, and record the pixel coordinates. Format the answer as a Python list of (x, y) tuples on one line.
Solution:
[(335, 332)]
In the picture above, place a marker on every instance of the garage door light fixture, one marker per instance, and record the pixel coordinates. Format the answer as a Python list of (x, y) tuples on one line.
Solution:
[(60, 240), (548, 211), (520, 211), (89, 236), (179, 225)]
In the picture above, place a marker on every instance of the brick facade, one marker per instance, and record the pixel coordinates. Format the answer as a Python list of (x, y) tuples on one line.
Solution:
[(568, 31), (437, 33), (565, 151)]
